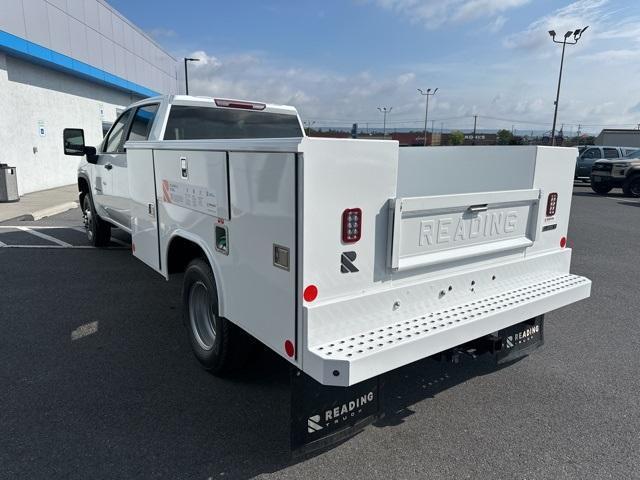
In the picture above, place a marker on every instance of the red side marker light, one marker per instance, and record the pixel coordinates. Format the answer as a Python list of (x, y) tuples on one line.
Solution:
[(133, 247), (552, 202), (563, 242), (289, 349), (351, 225), (310, 293)]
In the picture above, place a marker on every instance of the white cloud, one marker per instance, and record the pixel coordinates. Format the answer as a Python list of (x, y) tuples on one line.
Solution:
[(435, 13)]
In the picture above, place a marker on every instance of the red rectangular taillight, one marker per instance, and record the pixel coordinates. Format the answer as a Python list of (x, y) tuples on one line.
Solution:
[(351, 225), (552, 202)]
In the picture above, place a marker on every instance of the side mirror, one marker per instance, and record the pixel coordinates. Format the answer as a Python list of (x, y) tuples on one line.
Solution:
[(73, 140)]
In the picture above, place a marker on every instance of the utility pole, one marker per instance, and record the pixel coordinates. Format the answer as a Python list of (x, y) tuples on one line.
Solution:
[(579, 132), (186, 73), (475, 121), (576, 36), (384, 111), (428, 93), (309, 124)]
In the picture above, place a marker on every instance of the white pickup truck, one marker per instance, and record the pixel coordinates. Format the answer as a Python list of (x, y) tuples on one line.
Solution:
[(349, 258)]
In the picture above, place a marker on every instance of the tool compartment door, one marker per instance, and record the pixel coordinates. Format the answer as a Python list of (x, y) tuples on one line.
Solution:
[(439, 229), (144, 207)]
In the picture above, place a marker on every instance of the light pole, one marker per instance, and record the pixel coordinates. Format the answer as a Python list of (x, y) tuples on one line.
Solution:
[(186, 74), (427, 94), (576, 36), (384, 111)]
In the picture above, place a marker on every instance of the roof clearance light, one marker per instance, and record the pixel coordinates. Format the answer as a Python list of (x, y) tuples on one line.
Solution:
[(351, 225), (552, 202), (220, 102)]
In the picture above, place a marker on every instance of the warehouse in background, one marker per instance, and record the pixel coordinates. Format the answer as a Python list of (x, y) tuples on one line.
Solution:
[(619, 137), (68, 63)]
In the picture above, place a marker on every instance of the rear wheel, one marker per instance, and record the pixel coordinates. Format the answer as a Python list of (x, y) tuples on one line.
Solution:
[(220, 346), (631, 186), (601, 188), (98, 231)]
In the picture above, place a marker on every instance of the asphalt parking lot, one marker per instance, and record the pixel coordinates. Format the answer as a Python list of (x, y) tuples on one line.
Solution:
[(98, 380)]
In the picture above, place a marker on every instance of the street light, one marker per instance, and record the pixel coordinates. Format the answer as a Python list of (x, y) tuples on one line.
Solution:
[(427, 94), (186, 74), (576, 36), (385, 110)]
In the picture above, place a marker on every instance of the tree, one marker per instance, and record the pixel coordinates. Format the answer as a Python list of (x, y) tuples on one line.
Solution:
[(504, 137), (456, 138)]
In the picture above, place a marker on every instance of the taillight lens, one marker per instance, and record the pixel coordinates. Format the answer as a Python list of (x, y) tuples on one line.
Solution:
[(552, 202), (351, 225)]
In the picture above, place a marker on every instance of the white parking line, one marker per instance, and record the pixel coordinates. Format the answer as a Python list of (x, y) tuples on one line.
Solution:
[(84, 330), (56, 243), (45, 236)]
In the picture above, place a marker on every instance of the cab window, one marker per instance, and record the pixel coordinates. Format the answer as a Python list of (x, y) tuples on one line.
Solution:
[(592, 153), (142, 122), (113, 143), (610, 153)]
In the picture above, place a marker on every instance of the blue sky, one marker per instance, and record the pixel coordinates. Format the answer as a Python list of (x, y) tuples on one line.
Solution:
[(336, 61)]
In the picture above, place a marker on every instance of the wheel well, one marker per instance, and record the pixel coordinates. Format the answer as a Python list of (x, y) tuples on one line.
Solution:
[(83, 188), (180, 252)]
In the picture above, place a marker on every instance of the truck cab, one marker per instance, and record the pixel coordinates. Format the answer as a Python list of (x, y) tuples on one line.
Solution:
[(103, 176)]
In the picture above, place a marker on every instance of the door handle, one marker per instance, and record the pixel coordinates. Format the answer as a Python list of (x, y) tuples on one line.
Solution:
[(108, 166), (478, 208)]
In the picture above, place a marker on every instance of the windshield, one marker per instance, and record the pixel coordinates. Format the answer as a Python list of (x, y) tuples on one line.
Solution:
[(635, 154)]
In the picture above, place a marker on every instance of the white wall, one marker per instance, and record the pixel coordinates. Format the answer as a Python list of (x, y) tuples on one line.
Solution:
[(32, 95)]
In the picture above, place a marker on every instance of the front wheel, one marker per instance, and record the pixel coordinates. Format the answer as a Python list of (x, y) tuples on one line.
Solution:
[(631, 186), (601, 188), (98, 231), (220, 346)]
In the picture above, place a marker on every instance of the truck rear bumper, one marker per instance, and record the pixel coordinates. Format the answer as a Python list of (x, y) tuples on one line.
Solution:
[(345, 361)]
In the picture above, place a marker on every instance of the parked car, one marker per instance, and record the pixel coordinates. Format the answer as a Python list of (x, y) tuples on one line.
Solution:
[(617, 173), (592, 153)]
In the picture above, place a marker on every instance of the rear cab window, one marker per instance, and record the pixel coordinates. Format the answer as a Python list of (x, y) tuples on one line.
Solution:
[(209, 123)]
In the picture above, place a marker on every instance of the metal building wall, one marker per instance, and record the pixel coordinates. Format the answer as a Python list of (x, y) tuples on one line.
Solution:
[(93, 33)]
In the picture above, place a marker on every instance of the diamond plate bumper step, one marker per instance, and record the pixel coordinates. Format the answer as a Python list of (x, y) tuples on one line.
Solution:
[(349, 360)]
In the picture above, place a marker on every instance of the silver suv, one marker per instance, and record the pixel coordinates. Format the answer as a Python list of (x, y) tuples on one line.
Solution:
[(617, 173), (590, 154)]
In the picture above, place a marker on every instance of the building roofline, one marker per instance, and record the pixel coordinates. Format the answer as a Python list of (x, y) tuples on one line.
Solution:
[(28, 50)]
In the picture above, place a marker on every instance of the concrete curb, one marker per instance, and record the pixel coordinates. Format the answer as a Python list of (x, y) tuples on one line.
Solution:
[(45, 212)]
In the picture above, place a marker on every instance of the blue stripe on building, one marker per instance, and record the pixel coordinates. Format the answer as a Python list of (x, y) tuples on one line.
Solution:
[(36, 53)]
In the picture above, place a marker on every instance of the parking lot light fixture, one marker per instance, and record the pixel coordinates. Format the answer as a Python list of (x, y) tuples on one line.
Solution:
[(577, 33), (186, 74), (384, 111), (427, 94)]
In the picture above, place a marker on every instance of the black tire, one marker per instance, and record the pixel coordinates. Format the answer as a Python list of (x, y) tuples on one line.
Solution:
[(631, 186), (220, 346), (98, 231), (601, 188)]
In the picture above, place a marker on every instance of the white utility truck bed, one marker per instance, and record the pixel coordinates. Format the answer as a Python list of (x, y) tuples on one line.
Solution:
[(350, 258)]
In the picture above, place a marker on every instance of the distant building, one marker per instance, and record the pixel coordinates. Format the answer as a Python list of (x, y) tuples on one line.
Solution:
[(619, 137), (69, 63)]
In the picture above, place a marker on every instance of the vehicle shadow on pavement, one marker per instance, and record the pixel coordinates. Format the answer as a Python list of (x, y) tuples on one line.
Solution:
[(129, 400), (630, 203)]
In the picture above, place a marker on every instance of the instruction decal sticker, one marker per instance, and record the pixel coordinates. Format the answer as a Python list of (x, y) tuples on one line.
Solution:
[(193, 197)]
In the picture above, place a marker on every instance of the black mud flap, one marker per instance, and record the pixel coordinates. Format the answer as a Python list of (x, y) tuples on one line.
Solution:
[(520, 340), (323, 416)]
